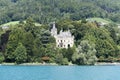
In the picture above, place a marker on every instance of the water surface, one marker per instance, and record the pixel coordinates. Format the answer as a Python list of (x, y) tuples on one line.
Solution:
[(59, 72)]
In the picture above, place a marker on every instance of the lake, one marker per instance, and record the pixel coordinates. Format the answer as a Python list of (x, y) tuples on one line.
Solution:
[(59, 72)]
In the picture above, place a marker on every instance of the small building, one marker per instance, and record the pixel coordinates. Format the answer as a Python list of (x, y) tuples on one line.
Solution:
[(64, 39), (45, 59)]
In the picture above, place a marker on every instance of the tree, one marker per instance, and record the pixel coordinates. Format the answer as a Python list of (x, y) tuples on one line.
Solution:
[(30, 26), (1, 57), (20, 54), (105, 48), (28, 42), (15, 36), (69, 53), (85, 54), (61, 60)]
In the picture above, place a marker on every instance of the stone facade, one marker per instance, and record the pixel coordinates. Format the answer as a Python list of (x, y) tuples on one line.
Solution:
[(64, 39)]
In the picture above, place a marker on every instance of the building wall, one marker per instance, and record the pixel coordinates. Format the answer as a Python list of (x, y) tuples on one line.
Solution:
[(54, 32), (64, 42)]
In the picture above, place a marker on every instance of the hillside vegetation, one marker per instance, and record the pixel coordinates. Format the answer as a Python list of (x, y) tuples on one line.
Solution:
[(13, 23), (29, 39), (45, 11), (25, 42)]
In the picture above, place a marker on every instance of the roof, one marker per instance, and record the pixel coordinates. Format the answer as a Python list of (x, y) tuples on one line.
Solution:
[(45, 58), (64, 34)]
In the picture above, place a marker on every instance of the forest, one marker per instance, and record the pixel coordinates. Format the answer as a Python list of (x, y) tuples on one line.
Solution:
[(26, 42), (45, 11)]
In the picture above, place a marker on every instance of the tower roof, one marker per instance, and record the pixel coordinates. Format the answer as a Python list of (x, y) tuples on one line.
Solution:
[(54, 25)]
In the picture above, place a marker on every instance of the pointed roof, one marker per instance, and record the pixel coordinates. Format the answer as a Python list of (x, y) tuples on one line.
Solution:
[(54, 25)]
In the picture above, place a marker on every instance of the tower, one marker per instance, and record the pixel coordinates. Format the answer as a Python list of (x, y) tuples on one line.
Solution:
[(54, 30)]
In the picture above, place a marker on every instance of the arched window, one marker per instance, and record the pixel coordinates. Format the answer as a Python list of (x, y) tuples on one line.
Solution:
[(68, 45)]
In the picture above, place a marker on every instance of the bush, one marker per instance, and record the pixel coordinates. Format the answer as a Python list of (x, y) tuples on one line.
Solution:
[(1, 58), (64, 61)]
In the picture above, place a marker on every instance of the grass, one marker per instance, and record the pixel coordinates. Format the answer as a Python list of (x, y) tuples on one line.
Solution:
[(10, 23), (16, 22), (100, 20)]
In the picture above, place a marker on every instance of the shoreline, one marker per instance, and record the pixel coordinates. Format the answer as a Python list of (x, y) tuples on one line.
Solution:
[(29, 64), (54, 64), (107, 64)]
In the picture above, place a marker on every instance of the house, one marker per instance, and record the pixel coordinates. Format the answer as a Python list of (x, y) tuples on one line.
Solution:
[(64, 39)]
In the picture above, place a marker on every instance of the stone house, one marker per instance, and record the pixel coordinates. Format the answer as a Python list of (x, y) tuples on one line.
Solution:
[(64, 39)]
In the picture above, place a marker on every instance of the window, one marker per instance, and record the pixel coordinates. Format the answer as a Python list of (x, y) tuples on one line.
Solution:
[(68, 45)]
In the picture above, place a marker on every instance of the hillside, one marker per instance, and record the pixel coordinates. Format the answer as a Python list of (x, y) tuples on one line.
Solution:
[(27, 42), (100, 20), (13, 23), (45, 11)]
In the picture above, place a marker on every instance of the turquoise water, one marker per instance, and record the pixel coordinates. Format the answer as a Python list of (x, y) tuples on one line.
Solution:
[(59, 72)]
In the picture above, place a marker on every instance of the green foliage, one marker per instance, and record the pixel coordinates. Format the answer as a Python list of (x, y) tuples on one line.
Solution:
[(61, 60), (15, 37), (20, 54), (85, 54), (45, 11), (1, 57), (26, 42)]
